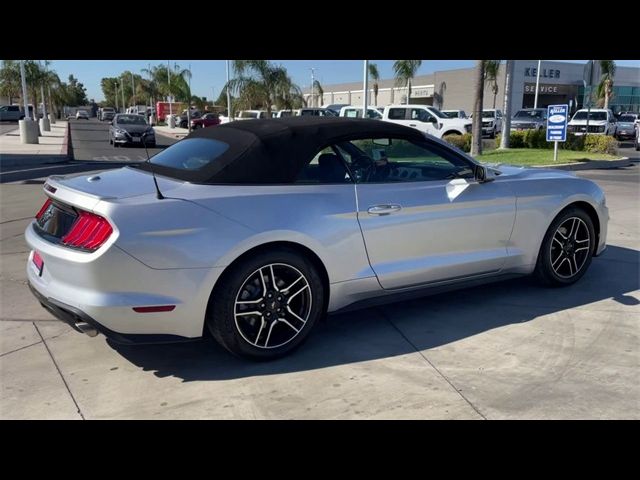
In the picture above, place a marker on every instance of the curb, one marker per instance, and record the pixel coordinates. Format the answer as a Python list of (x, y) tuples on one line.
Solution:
[(19, 159), (591, 164)]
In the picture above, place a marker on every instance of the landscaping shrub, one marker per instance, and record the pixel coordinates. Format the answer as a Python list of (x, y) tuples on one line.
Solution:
[(516, 139), (463, 142), (601, 144)]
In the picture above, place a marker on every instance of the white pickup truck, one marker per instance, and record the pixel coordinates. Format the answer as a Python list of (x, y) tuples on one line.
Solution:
[(427, 119)]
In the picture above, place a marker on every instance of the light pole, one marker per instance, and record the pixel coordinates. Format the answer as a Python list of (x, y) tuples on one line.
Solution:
[(535, 100), (115, 84), (169, 81), (133, 88), (122, 93), (365, 88), (228, 95), (28, 130), (313, 87)]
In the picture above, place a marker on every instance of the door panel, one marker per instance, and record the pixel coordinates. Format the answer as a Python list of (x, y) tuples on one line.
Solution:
[(423, 232)]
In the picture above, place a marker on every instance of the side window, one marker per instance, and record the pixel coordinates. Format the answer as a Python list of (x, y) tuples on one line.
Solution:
[(3, 109), (399, 160), (351, 113), (420, 115), (325, 168), (397, 113)]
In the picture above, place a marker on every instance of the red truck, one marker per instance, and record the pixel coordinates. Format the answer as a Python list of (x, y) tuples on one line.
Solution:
[(162, 109)]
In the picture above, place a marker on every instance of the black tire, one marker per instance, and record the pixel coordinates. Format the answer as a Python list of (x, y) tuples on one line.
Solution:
[(221, 312), (544, 271)]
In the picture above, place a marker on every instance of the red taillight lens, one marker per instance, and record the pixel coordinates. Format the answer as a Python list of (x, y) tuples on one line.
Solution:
[(88, 232), (43, 209)]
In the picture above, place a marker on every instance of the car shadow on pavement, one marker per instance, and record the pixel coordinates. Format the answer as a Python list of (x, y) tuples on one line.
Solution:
[(380, 332)]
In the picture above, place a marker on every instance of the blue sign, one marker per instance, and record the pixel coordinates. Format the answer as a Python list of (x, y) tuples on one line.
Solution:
[(557, 117)]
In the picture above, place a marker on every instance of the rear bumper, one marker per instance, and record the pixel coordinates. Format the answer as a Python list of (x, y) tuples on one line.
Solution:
[(74, 317)]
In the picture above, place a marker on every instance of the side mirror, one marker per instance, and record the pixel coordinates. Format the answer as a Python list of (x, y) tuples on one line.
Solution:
[(432, 120), (484, 174)]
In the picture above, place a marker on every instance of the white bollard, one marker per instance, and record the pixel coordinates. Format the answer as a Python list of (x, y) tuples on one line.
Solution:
[(52, 119), (45, 125), (28, 131), (171, 121)]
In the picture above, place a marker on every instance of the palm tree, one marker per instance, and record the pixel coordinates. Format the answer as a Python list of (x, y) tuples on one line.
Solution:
[(491, 71), (318, 93), (404, 71), (605, 87), (260, 84), (10, 83), (375, 78), (476, 128)]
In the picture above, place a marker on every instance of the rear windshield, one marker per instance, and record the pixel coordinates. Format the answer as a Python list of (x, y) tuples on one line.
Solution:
[(191, 153), (627, 118), (248, 114), (489, 114)]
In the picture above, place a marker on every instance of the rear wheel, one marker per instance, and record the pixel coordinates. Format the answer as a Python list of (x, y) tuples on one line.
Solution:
[(567, 249), (266, 305)]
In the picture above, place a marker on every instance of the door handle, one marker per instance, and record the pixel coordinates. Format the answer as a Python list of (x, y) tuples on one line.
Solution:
[(412, 124), (384, 209)]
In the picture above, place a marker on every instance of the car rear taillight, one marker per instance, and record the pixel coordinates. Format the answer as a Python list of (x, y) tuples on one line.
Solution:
[(88, 232), (43, 209)]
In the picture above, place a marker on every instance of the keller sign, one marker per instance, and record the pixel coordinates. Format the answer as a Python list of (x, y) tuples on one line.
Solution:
[(557, 116)]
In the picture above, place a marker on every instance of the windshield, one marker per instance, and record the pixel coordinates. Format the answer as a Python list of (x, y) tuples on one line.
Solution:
[(131, 120), (529, 114), (489, 114), (107, 109), (190, 153), (437, 112), (450, 114), (248, 114), (627, 118), (582, 115)]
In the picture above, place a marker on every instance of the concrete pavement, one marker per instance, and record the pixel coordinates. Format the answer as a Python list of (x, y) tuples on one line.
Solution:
[(52, 146), (508, 350)]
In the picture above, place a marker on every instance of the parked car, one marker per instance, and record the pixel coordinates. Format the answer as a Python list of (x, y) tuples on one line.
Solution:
[(314, 112), (356, 112), (427, 119), (282, 114), (181, 120), (106, 114), (258, 231), (335, 108), (491, 122), (637, 141), (529, 119), (601, 122), (128, 128), (82, 114), (626, 127), (11, 113), (454, 113), (251, 114), (207, 120)]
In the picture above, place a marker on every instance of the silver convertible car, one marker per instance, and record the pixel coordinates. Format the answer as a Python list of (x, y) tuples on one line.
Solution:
[(254, 230)]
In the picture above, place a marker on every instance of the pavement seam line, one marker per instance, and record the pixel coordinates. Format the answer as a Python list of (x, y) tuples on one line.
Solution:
[(59, 372), (475, 409), (21, 348)]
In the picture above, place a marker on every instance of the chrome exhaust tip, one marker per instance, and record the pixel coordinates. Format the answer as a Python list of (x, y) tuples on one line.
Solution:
[(87, 329)]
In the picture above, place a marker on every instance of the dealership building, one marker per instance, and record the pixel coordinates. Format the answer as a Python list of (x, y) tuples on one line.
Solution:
[(560, 83)]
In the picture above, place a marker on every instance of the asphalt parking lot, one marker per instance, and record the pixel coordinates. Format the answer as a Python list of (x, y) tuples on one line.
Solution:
[(507, 350)]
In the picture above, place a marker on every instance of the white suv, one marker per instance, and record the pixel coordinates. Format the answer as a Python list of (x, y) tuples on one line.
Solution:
[(356, 112), (491, 122), (601, 122), (427, 119)]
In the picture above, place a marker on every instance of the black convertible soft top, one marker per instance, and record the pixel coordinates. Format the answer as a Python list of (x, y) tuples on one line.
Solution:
[(275, 150)]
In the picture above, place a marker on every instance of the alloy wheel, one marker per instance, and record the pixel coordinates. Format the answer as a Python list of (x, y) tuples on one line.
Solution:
[(273, 305), (570, 247)]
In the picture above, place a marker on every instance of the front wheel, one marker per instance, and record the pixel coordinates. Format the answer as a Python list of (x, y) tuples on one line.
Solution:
[(266, 305), (567, 249)]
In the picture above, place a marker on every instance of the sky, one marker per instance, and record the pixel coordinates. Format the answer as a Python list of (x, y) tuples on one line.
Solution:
[(209, 76)]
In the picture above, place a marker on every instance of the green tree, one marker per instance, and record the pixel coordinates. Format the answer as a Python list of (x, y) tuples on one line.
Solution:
[(404, 71), (604, 91), (491, 71), (318, 94), (375, 79), (10, 83), (260, 84), (476, 128)]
